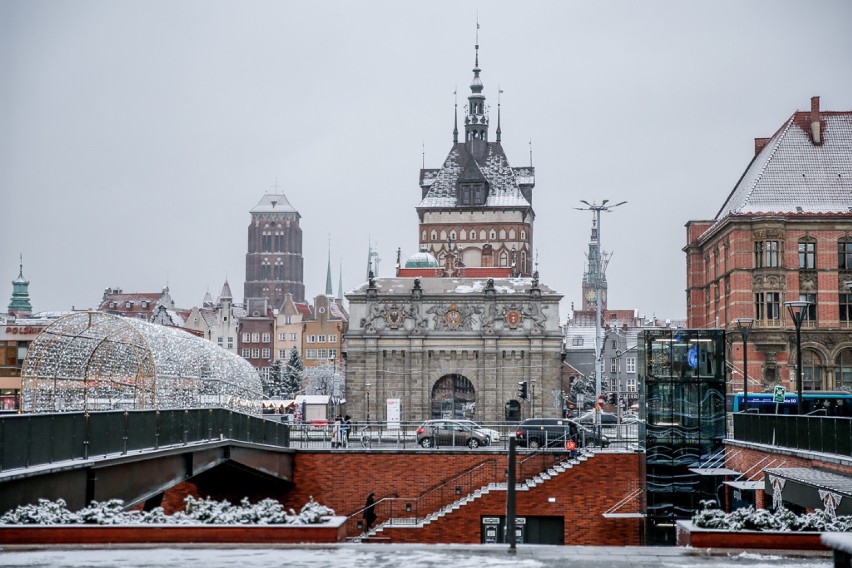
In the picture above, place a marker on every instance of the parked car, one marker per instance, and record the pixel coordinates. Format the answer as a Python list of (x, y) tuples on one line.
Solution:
[(555, 432), (607, 418), (437, 433), (493, 435)]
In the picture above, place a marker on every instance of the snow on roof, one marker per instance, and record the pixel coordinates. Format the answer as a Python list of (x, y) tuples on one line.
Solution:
[(274, 203), (403, 286), (792, 175), (504, 190), (312, 399)]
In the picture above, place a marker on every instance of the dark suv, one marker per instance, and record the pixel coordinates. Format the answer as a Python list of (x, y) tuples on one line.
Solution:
[(555, 432)]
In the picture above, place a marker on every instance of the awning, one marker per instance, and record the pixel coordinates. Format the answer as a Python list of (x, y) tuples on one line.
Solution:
[(811, 488), (717, 471), (745, 485)]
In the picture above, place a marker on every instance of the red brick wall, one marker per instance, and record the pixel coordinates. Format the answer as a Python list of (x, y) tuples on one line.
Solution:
[(342, 481)]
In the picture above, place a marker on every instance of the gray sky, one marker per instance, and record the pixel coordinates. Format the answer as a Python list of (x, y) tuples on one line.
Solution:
[(136, 136)]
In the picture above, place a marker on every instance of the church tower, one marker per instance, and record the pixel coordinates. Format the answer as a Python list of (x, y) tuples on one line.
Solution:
[(274, 264), (19, 305), (476, 210), (590, 277)]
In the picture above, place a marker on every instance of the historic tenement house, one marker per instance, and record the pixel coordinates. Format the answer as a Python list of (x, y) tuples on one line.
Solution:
[(783, 234), (465, 319)]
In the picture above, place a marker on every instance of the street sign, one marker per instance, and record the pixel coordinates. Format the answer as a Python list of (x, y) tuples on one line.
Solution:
[(778, 395)]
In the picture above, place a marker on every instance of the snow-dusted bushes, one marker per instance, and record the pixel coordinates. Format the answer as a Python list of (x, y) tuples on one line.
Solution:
[(198, 511), (750, 519)]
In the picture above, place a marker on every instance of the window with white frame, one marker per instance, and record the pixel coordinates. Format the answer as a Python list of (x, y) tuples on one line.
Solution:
[(613, 364), (246, 352), (292, 337), (266, 338), (230, 343), (255, 353), (282, 336), (332, 353), (312, 339), (288, 319), (577, 341), (220, 340), (246, 338), (320, 339), (332, 338), (282, 353), (255, 338), (631, 385), (322, 354), (265, 352), (264, 373), (310, 354), (630, 362)]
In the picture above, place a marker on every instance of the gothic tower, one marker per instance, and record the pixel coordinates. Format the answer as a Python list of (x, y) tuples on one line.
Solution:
[(476, 210), (274, 261), (590, 277)]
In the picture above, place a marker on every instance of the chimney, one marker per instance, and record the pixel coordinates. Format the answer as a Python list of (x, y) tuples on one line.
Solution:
[(816, 127), (759, 143)]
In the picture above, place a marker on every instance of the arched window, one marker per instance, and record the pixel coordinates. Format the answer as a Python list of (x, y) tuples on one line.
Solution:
[(434, 235), (463, 235), (811, 370), (482, 235), (504, 259), (443, 235), (842, 370), (423, 236), (453, 397), (523, 235), (502, 234), (511, 234), (493, 235)]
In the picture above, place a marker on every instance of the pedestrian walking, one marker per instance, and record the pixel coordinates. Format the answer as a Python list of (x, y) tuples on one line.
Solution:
[(346, 428), (335, 432), (369, 512)]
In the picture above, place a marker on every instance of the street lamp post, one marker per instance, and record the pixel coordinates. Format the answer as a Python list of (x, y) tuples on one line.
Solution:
[(598, 286), (799, 312), (744, 326), (368, 401)]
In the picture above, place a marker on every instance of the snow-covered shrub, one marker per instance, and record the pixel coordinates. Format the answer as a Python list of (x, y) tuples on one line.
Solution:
[(312, 512), (748, 518), (197, 511), (45, 512)]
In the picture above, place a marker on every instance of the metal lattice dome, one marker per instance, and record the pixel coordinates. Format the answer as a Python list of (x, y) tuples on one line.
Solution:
[(98, 361)]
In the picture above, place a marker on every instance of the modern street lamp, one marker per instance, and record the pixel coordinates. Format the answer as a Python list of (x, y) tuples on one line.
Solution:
[(368, 401), (598, 285), (744, 326), (799, 312)]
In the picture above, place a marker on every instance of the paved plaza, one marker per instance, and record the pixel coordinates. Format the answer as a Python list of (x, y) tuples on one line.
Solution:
[(409, 556)]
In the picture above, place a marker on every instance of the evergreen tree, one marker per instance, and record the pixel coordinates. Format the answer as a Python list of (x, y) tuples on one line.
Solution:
[(291, 375), (272, 385)]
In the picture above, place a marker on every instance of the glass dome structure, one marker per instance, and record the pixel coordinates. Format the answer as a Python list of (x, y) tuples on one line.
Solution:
[(96, 361)]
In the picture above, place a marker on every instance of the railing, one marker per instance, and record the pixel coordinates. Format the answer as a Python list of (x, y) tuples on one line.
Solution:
[(395, 510), (825, 434), (29, 440)]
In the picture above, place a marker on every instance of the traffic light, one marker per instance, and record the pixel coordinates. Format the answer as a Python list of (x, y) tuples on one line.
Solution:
[(522, 390)]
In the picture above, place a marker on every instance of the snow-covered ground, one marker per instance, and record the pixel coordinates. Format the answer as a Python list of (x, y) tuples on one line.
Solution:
[(409, 556)]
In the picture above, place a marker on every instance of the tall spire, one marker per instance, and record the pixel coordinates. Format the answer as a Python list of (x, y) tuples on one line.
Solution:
[(456, 116), (499, 92), (476, 121), (328, 290)]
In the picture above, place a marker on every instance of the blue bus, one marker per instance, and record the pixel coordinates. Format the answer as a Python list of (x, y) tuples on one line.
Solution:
[(817, 403)]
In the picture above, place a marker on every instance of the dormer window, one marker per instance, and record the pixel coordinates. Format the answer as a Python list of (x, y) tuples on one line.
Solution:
[(128, 305), (144, 303), (112, 305), (472, 194)]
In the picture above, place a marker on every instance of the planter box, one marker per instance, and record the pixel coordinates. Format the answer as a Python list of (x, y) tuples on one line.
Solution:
[(331, 531), (690, 535)]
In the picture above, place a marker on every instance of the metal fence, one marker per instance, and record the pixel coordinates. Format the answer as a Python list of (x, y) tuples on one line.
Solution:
[(30, 440), (825, 434)]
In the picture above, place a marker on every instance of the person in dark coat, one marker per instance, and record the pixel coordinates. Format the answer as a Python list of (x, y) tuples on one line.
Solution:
[(369, 513)]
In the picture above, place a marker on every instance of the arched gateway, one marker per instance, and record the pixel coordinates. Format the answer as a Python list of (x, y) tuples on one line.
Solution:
[(453, 396)]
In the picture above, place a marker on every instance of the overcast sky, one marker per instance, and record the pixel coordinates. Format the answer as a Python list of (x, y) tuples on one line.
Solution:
[(136, 136)]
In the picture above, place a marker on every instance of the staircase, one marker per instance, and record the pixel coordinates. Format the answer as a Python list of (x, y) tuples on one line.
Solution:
[(375, 534)]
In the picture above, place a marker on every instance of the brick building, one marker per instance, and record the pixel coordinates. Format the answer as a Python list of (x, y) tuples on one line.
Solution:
[(784, 233), (274, 264)]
